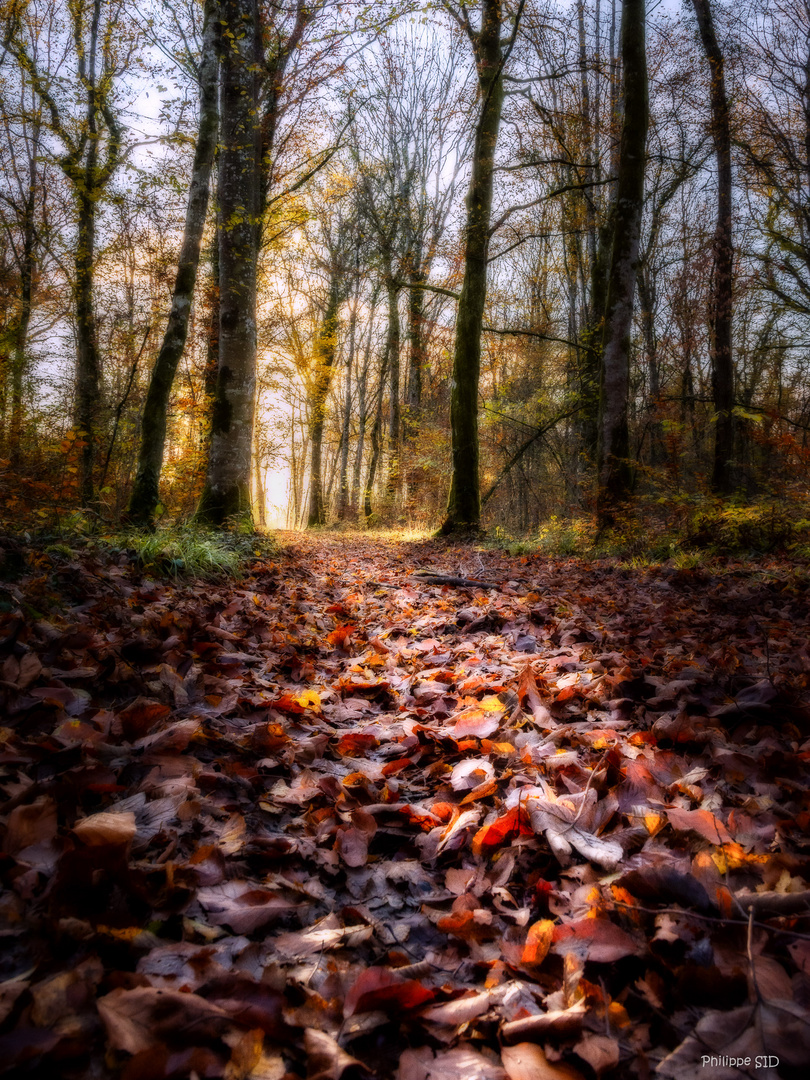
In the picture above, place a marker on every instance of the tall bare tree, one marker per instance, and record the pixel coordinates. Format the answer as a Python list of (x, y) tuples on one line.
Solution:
[(145, 495), (83, 117), (720, 317), (491, 52), (226, 495), (614, 466)]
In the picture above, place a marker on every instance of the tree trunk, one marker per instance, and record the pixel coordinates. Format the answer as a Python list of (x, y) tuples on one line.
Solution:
[(723, 478), (88, 360), (646, 295), (226, 495), (362, 411), (325, 348), (27, 264), (614, 449), (392, 351), (416, 353), (18, 363), (464, 500), (343, 482), (376, 445), (145, 493)]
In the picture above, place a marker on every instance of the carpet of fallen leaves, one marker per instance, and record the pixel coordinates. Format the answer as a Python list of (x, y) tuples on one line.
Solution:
[(338, 819)]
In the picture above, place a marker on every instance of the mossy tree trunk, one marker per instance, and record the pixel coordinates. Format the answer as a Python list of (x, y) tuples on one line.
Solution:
[(392, 344), (145, 493), (325, 349), (464, 499), (614, 466), (226, 494)]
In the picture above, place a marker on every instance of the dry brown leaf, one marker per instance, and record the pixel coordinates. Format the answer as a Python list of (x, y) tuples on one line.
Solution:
[(600, 1051), (326, 1059), (103, 829), (527, 1061), (138, 1019)]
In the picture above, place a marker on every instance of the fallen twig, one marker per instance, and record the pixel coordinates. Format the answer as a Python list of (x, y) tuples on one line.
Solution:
[(459, 582)]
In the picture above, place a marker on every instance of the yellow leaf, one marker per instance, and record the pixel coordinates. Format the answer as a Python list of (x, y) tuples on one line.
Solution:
[(491, 704), (309, 699), (733, 857)]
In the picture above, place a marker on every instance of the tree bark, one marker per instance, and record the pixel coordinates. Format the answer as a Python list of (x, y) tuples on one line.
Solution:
[(614, 479), (145, 493), (343, 482), (392, 351), (416, 353), (464, 500), (720, 318), (325, 348), (376, 445), (226, 495), (362, 408), (88, 359)]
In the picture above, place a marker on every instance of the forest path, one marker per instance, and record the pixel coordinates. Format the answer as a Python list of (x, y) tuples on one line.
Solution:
[(334, 818)]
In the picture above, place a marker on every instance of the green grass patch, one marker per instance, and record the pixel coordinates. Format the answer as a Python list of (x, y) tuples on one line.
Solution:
[(191, 552)]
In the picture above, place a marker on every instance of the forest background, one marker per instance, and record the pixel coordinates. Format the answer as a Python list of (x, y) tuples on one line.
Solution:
[(315, 261)]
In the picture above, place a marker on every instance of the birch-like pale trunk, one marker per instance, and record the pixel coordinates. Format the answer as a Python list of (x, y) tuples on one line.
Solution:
[(145, 492)]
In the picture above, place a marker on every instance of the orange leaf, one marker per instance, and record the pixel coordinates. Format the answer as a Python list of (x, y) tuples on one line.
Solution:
[(444, 811), (396, 766), (538, 942), (700, 821), (339, 636), (465, 925), (514, 822)]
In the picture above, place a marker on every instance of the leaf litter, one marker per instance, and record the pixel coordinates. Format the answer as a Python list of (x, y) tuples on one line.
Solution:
[(342, 819)]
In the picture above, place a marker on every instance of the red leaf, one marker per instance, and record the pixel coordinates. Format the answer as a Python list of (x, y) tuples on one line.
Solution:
[(381, 989)]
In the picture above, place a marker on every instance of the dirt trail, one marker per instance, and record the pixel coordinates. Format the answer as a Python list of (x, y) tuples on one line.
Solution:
[(332, 820)]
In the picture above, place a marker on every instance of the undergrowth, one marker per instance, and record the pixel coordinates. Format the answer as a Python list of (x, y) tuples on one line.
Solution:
[(177, 552), (190, 552), (685, 533)]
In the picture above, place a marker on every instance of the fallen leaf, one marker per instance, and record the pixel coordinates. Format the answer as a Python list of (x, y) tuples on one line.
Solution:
[(538, 942), (107, 829), (699, 821), (527, 1061), (138, 1019)]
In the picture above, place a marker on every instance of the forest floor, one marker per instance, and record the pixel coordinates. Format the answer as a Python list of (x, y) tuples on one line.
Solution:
[(339, 819)]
